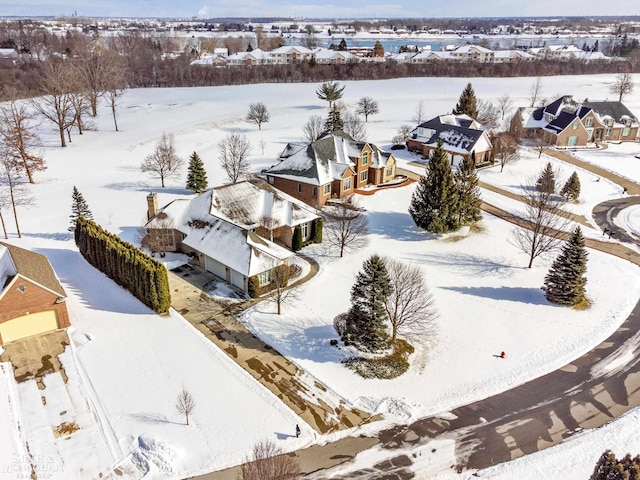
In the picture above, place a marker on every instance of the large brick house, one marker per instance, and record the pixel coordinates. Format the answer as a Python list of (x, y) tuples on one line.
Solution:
[(333, 166), (32, 301), (236, 231), (460, 136), (568, 123)]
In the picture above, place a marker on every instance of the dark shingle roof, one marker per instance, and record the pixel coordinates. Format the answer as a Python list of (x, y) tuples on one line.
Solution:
[(36, 267), (561, 122), (615, 110)]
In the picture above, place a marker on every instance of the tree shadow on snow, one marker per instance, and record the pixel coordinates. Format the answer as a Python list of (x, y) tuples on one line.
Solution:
[(313, 344), (145, 187), (466, 263), (534, 296), (397, 225), (154, 418), (284, 436)]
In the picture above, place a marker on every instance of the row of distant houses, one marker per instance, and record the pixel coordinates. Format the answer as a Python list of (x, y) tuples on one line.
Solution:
[(466, 53)]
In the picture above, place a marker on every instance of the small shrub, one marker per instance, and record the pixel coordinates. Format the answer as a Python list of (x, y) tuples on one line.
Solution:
[(340, 323), (333, 342), (254, 287), (384, 368), (397, 147), (294, 270), (296, 241)]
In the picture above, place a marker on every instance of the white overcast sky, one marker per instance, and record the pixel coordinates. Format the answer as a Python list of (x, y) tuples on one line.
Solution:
[(320, 9)]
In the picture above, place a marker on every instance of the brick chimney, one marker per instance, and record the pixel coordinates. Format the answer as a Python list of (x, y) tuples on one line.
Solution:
[(152, 205)]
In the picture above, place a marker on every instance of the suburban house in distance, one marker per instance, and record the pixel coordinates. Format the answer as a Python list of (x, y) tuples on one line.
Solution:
[(333, 166), (460, 135), (32, 301), (236, 231), (568, 123)]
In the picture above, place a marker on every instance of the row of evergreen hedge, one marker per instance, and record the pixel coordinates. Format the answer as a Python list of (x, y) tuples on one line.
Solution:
[(144, 277)]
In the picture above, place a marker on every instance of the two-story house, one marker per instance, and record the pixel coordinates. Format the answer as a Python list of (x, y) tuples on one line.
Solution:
[(333, 166)]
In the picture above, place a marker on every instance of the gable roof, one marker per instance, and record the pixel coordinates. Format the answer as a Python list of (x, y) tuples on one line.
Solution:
[(561, 122), (30, 265), (615, 110), (324, 160), (458, 133)]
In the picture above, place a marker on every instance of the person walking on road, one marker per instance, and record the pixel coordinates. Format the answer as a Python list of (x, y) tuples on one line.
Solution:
[(297, 431)]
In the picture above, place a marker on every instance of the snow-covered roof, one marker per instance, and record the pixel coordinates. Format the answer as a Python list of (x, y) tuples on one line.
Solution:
[(472, 48), (325, 53), (219, 224), (324, 160), (459, 133), (288, 49)]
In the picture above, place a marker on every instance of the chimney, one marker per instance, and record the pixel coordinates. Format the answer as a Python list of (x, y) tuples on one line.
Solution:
[(152, 205)]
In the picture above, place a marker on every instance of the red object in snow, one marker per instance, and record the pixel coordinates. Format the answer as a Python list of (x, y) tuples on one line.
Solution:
[(502, 354)]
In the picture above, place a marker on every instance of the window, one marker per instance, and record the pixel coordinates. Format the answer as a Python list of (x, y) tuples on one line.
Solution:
[(608, 132), (389, 171), (264, 278), (304, 229), (626, 132), (270, 179), (588, 122), (365, 158), (575, 125), (364, 175), (314, 190), (571, 141), (299, 187), (346, 184), (327, 189)]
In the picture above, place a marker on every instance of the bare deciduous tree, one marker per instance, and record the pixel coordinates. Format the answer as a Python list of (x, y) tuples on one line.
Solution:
[(622, 86), (420, 112), (281, 293), (353, 126), (313, 128), (234, 155), (57, 81), (535, 91), (12, 183), (540, 229), (268, 462), (258, 114), (20, 137), (345, 225), (163, 163), (367, 106), (504, 104), (543, 143), (410, 306), (158, 236), (185, 404), (505, 149), (488, 113), (114, 84)]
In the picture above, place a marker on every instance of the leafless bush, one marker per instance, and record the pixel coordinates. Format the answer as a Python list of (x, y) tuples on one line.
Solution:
[(267, 462)]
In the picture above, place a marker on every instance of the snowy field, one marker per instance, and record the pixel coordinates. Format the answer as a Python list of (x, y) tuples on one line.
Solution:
[(133, 363)]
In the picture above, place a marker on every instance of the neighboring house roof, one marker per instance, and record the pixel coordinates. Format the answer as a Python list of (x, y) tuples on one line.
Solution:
[(324, 160), (459, 133), (616, 110), (219, 224), (561, 122), (29, 265)]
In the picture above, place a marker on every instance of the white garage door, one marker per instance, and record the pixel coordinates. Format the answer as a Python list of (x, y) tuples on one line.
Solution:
[(215, 267), (28, 325), (237, 279)]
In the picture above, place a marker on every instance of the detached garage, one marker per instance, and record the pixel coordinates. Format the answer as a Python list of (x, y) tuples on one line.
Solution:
[(32, 301)]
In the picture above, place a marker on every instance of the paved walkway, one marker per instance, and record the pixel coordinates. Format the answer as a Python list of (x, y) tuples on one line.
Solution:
[(319, 407)]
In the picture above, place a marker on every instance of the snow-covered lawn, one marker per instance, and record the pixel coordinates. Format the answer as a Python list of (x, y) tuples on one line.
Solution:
[(619, 158), (133, 363)]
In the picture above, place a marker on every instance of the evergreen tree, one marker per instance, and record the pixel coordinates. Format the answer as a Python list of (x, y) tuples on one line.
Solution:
[(546, 182), (296, 240), (365, 323), (467, 104), (571, 189), (79, 208), (196, 174), (378, 49), (469, 194), (565, 282), (435, 204), (334, 121)]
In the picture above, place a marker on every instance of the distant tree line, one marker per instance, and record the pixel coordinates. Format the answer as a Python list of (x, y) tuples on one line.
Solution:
[(144, 277)]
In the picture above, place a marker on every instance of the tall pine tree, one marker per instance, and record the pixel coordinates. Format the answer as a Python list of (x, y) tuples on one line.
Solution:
[(365, 324), (546, 182), (467, 104), (565, 282), (196, 174), (334, 122), (571, 189), (469, 194), (435, 205), (79, 208)]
